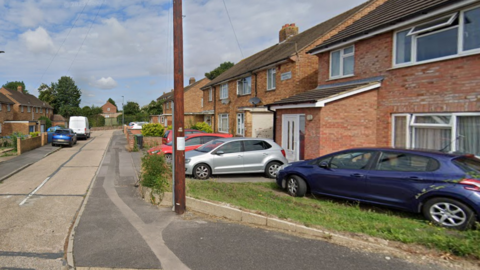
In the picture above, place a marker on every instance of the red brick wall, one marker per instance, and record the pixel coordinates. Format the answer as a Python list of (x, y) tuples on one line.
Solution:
[(108, 105), (5, 115)]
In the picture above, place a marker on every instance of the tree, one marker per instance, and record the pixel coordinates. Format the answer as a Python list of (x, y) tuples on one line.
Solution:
[(154, 108), (219, 70), (131, 108), (113, 103), (14, 85), (46, 93)]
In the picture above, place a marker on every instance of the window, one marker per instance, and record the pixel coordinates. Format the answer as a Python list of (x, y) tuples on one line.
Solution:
[(166, 105), (193, 141), (47, 111), (255, 145), (456, 132), (406, 163), (210, 93), (457, 33), (244, 86), (21, 108), (342, 62), (241, 124), (36, 109), (223, 122), (108, 109), (0, 128), (357, 160), (41, 110), (232, 147), (0, 107), (224, 91), (171, 105), (28, 108), (271, 80), (202, 102), (8, 107)]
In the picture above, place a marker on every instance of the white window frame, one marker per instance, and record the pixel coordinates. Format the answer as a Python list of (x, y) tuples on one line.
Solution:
[(242, 81), (28, 109), (342, 58), (210, 94), (202, 102), (221, 118), (36, 109), (224, 91), (414, 35), (411, 125), (47, 110), (41, 109), (8, 107), (21, 108), (271, 79), (241, 130)]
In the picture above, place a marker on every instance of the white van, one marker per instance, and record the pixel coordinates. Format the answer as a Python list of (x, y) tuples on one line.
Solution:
[(79, 125)]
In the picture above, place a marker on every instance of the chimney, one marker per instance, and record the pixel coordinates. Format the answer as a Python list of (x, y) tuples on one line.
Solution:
[(287, 31), (192, 80), (20, 89)]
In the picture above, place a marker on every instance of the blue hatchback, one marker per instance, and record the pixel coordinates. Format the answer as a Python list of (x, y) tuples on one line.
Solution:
[(64, 137), (444, 187)]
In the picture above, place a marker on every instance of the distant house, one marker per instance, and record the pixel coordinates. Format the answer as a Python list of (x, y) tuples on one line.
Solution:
[(404, 75), (27, 109), (110, 113), (6, 114), (166, 117), (58, 120)]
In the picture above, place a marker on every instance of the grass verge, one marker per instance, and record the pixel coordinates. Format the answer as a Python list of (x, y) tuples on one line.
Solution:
[(340, 216)]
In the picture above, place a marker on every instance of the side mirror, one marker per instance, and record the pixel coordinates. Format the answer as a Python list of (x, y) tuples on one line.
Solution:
[(324, 165), (220, 153)]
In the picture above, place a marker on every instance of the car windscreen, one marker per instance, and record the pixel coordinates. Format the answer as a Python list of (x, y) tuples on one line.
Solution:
[(469, 165), (166, 134), (209, 146), (62, 131)]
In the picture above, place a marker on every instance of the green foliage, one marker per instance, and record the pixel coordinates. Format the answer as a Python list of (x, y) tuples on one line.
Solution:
[(131, 108), (135, 144), (34, 134), (48, 122), (14, 137), (14, 85), (46, 93), (152, 130), (219, 70), (154, 108), (64, 96), (169, 127), (155, 173), (203, 127), (96, 120)]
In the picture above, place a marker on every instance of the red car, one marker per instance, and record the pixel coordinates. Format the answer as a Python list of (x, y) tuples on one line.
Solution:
[(168, 136), (192, 141)]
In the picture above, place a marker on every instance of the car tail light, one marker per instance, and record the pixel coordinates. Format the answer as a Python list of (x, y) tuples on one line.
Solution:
[(283, 153), (471, 184)]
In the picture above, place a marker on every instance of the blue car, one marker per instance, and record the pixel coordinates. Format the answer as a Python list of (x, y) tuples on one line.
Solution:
[(444, 187), (64, 137)]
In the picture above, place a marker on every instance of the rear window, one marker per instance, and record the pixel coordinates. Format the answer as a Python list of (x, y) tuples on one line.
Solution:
[(406, 163), (62, 131), (468, 164)]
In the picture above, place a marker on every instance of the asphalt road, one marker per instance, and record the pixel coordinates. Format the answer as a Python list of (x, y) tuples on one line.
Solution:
[(117, 229)]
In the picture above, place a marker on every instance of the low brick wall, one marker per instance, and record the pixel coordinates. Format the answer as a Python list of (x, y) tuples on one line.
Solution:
[(106, 128), (149, 142), (28, 144)]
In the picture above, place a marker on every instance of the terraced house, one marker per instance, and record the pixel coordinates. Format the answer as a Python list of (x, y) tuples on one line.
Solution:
[(239, 95), (26, 110), (405, 75)]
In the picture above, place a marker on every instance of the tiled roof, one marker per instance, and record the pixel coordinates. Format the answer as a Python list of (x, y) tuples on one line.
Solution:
[(27, 99), (165, 96), (389, 13), (186, 88), (58, 118), (282, 51), (327, 91), (5, 100)]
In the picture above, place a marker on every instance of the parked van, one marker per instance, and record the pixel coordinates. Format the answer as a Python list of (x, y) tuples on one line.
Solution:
[(79, 124)]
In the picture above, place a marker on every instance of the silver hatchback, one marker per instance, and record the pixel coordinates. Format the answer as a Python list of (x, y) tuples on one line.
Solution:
[(235, 155)]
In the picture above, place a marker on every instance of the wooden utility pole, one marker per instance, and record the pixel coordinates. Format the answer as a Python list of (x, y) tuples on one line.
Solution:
[(178, 132)]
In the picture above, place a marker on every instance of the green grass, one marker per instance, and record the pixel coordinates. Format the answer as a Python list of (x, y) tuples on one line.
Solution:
[(340, 216)]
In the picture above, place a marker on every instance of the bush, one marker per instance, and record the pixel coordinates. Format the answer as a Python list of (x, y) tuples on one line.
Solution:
[(48, 122), (152, 130), (203, 127), (34, 134), (155, 173), (14, 137), (96, 120)]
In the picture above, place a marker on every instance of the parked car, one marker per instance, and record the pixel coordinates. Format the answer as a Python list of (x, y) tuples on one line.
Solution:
[(52, 129), (64, 137), (444, 187), (138, 125), (192, 141), (80, 125), (168, 135), (235, 155)]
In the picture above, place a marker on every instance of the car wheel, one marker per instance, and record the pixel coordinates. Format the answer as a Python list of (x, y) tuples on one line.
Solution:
[(201, 171), (168, 158), (449, 213), (296, 186), (271, 169)]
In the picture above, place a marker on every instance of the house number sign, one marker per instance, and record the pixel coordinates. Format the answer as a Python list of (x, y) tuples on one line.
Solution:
[(286, 76)]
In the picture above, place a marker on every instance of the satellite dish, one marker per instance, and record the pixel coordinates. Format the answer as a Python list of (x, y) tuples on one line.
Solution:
[(254, 100)]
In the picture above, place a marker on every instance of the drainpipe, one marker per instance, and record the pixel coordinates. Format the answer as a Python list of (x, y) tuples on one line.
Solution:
[(274, 123)]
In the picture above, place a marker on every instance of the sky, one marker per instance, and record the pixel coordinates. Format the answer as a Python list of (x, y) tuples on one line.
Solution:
[(115, 48)]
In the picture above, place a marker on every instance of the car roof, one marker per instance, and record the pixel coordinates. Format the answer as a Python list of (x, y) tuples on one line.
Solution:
[(428, 152), (204, 134), (244, 139)]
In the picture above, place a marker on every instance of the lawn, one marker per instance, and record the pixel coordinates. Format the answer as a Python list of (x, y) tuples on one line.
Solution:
[(339, 216)]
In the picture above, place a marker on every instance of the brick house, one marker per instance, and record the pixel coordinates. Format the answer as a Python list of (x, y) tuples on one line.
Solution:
[(238, 96), (6, 114), (193, 105), (27, 109), (385, 80), (109, 111)]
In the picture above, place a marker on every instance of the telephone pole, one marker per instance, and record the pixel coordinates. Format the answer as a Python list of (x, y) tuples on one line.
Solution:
[(178, 132)]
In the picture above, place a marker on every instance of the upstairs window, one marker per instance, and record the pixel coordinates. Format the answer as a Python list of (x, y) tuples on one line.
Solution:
[(21, 108), (36, 109), (271, 80), (0, 107), (41, 110), (8, 107), (244, 86), (342, 62), (210, 94), (28, 109), (224, 91), (440, 38)]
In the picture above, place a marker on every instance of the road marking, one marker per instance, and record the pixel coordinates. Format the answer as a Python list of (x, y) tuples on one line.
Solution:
[(33, 192)]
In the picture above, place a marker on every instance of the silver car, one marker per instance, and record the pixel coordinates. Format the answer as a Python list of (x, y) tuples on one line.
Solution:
[(235, 155)]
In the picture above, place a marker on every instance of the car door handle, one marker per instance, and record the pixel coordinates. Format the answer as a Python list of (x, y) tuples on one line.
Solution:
[(415, 178), (357, 175)]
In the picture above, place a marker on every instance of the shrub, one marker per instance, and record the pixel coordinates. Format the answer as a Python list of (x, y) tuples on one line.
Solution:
[(48, 122), (152, 130), (34, 134), (155, 173), (14, 137), (169, 127), (203, 127)]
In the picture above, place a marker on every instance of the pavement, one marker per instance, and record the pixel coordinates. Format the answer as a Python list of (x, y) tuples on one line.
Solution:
[(18, 163)]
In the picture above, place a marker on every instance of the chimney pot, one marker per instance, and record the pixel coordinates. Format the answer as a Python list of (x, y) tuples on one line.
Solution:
[(287, 31), (20, 89), (192, 80)]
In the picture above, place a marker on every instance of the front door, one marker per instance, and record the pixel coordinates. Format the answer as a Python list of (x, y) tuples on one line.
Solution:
[(241, 124), (291, 136)]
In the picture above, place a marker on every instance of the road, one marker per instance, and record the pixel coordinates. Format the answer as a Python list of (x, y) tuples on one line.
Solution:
[(116, 229)]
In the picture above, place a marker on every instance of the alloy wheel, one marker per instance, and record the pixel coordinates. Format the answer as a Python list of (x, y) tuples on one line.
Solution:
[(202, 172), (448, 214)]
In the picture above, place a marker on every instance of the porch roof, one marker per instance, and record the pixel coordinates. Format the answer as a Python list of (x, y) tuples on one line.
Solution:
[(323, 94)]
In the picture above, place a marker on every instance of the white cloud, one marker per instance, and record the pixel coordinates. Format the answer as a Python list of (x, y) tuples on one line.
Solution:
[(103, 83), (38, 41)]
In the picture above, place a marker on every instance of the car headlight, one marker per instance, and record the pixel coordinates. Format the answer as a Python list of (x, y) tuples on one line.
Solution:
[(187, 161)]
